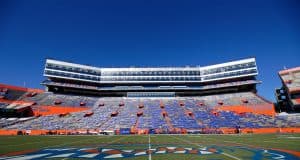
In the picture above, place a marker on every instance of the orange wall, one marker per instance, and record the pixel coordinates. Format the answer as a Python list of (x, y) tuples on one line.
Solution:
[(271, 130), (8, 132), (50, 110), (257, 109)]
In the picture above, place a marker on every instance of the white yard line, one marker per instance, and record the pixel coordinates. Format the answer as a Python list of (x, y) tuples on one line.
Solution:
[(276, 142), (226, 154), (149, 144), (231, 156)]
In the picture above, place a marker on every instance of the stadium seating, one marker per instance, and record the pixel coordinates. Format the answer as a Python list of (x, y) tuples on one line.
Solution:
[(13, 94), (3, 105), (291, 79), (152, 117), (202, 112)]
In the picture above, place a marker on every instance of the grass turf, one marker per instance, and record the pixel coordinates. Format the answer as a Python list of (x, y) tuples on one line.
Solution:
[(231, 145)]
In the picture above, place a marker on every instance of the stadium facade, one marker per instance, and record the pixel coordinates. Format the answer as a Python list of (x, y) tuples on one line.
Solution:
[(161, 81)]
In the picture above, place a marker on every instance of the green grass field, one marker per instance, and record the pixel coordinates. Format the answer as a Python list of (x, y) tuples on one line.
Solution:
[(250, 146)]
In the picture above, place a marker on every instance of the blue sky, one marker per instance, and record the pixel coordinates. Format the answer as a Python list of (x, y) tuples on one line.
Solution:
[(148, 33)]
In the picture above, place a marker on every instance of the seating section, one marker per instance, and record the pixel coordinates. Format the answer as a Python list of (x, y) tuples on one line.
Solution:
[(65, 100), (291, 79), (178, 117), (3, 105), (37, 97), (10, 121), (11, 94), (111, 113), (152, 117), (126, 117)]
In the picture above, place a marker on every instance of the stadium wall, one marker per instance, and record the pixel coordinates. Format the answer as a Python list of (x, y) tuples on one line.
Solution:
[(223, 131)]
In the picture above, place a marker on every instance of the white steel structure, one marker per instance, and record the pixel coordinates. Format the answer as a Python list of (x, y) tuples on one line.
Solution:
[(162, 75), (232, 76)]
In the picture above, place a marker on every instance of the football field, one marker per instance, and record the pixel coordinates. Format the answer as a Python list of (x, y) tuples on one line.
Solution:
[(160, 147)]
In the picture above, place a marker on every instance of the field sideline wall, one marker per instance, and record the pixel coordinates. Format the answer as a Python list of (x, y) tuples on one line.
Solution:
[(224, 130)]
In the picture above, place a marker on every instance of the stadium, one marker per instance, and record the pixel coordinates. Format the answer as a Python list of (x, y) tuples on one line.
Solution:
[(202, 112)]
